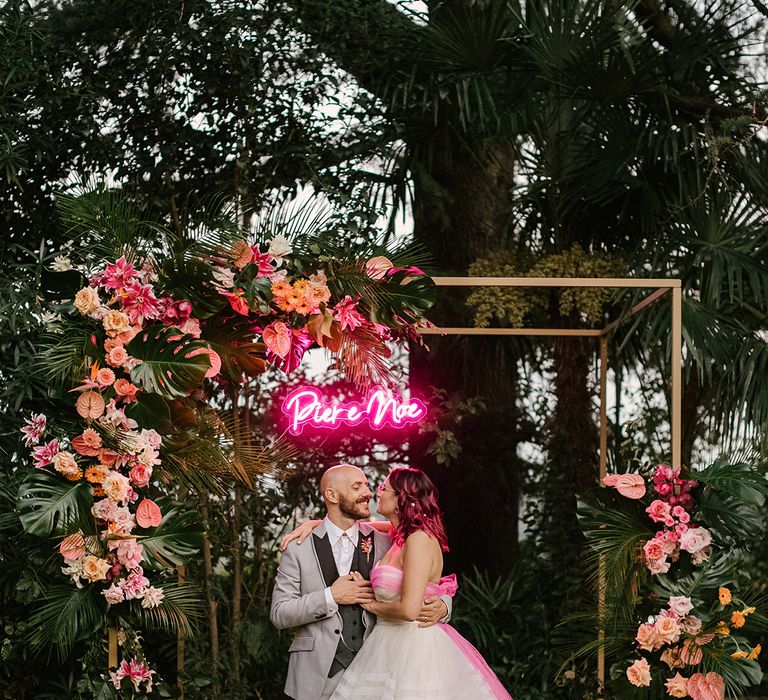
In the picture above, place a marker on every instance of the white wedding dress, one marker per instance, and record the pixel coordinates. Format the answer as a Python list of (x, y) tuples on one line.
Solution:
[(402, 661)]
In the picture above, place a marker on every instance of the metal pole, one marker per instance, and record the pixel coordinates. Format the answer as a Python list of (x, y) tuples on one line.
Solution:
[(601, 611), (677, 361)]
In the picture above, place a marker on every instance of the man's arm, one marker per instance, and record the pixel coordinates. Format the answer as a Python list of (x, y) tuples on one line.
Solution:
[(289, 607)]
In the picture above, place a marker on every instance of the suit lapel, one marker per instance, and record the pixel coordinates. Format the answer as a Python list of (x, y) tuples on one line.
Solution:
[(325, 558)]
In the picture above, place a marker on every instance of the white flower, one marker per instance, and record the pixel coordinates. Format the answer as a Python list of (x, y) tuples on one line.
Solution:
[(279, 247), (50, 320), (152, 597), (224, 277), (114, 594), (73, 570), (61, 263)]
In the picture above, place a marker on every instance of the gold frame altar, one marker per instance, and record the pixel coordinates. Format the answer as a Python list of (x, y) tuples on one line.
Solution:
[(660, 288)]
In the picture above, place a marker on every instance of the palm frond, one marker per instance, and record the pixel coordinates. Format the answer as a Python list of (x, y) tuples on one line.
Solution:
[(178, 612), (63, 359), (178, 537), (363, 359), (713, 573), (65, 615)]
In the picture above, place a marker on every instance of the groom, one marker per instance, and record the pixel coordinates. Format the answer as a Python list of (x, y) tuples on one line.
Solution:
[(316, 593)]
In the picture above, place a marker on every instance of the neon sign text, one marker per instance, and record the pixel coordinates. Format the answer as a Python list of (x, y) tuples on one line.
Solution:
[(306, 406)]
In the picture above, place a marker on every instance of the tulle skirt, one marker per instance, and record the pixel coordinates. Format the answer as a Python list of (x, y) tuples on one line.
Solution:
[(402, 661)]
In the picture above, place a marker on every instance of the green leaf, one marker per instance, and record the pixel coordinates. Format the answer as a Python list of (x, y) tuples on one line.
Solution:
[(151, 411), (191, 279), (235, 343), (66, 615), (739, 480), (180, 608), (166, 368), (178, 537), (48, 504)]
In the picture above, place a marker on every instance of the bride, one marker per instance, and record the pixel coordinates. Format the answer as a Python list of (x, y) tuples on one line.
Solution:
[(400, 660)]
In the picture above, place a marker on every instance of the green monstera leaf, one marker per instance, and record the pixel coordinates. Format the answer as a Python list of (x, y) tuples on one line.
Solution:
[(178, 537), (167, 366), (235, 343), (49, 505)]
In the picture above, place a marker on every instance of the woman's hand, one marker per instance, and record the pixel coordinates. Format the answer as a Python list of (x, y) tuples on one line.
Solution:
[(300, 533)]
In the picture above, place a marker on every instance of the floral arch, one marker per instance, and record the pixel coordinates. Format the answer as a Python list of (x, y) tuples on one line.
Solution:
[(142, 320)]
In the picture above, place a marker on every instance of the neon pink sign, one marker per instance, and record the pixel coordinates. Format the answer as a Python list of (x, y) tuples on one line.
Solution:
[(306, 406)]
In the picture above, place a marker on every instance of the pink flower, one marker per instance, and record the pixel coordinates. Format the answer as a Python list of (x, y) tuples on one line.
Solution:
[(117, 275), (105, 377), (667, 629), (660, 512), (72, 547), (647, 638), (104, 509), (33, 429), (114, 594), (658, 566), (695, 539), (690, 624), (134, 585), (176, 312), (116, 356), (347, 315), (677, 686), (136, 672), (140, 302), (277, 337), (43, 455), (690, 654), (148, 514), (376, 268), (628, 485), (706, 687), (639, 673), (654, 550), (238, 302), (152, 597), (680, 605), (140, 475), (129, 553), (263, 261)]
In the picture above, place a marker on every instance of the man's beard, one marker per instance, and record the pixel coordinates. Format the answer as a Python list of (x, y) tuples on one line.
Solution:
[(354, 508)]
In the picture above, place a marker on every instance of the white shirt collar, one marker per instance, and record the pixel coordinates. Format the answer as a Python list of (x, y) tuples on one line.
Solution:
[(335, 532)]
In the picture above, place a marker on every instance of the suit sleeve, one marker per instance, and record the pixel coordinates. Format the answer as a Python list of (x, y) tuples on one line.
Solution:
[(448, 600), (289, 607)]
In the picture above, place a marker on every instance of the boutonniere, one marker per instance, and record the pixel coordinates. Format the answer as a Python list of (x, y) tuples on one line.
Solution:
[(366, 546)]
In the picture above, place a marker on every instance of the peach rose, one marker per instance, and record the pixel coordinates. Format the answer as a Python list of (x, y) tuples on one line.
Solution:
[(639, 673), (628, 485), (148, 514), (115, 322), (116, 487), (647, 638), (654, 550), (87, 301), (677, 686), (695, 539), (64, 463), (690, 624), (708, 686), (126, 390), (667, 629), (671, 657), (94, 569), (72, 547)]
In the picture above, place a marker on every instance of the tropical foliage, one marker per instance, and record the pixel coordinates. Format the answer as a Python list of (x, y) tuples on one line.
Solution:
[(142, 352), (666, 548)]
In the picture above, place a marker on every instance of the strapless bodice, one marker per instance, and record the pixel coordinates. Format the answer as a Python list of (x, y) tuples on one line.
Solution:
[(387, 582)]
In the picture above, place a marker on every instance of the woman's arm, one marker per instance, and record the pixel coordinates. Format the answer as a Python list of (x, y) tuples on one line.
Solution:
[(418, 556), (300, 533)]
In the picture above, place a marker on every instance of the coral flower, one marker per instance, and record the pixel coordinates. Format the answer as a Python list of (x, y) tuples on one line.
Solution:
[(725, 595), (148, 514), (628, 485), (708, 686), (72, 547)]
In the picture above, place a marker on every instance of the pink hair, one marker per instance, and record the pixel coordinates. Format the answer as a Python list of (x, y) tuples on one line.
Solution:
[(417, 507)]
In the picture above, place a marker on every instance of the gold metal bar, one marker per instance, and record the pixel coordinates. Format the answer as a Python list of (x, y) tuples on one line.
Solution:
[(601, 611), (512, 331), (555, 282), (652, 297), (677, 385), (112, 647)]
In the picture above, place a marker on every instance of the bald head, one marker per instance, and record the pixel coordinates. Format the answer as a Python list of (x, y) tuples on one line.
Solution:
[(345, 492)]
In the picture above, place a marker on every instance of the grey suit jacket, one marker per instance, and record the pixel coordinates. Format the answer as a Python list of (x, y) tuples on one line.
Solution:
[(298, 600)]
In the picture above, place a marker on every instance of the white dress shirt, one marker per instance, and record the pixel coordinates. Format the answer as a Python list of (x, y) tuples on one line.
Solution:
[(343, 544)]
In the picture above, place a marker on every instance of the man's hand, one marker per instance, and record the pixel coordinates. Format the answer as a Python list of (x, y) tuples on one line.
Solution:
[(300, 533), (352, 590), (433, 610)]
